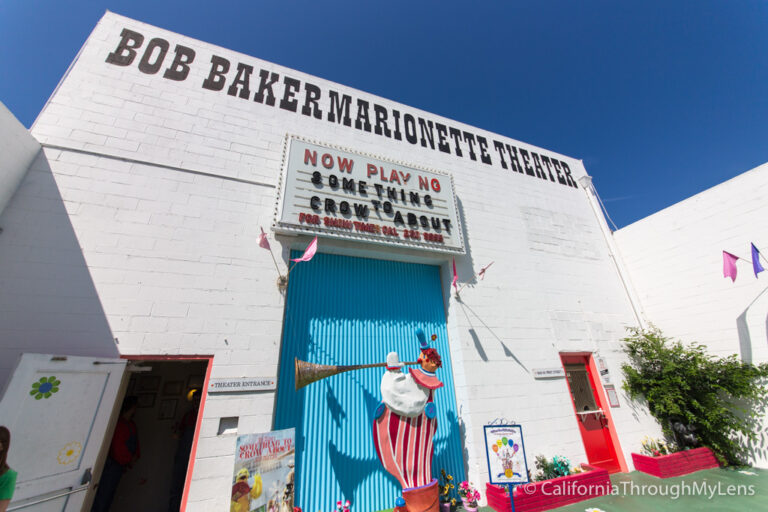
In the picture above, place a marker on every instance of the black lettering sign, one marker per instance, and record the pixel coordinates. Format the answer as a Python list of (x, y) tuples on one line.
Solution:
[(179, 68), (150, 63), (386, 122), (126, 49), (217, 76)]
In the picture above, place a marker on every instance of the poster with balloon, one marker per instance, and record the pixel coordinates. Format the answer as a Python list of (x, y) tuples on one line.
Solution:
[(506, 455)]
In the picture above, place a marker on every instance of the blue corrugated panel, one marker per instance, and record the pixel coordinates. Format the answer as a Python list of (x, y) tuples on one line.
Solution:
[(344, 311)]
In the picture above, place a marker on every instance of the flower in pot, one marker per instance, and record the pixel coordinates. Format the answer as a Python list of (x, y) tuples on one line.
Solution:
[(469, 496), (447, 502), (656, 447)]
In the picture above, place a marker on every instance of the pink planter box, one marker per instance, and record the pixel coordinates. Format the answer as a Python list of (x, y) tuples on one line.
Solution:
[(676, 464), (550, 494)]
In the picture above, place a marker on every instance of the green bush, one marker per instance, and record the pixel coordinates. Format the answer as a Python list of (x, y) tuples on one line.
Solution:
[(716, 396)]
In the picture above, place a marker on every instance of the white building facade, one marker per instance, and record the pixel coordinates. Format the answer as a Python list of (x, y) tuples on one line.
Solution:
[(133, 241), (675, 262)]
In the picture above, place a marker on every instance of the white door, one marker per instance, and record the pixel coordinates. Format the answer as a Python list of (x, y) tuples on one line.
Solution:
[(57, 409)]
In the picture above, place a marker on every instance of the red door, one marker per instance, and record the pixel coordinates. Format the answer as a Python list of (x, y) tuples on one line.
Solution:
[(595, 425)]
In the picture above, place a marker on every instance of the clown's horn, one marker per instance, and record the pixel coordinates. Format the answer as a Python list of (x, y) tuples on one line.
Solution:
[(307, 373)]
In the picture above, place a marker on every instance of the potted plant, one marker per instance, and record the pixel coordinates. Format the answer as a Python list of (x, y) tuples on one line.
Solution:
[(469, 496), (447, 501), (700, 400), (656, 447), (666, 460), (548, 469)]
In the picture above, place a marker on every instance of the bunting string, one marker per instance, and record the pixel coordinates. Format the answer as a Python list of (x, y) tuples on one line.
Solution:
[(480, 274)]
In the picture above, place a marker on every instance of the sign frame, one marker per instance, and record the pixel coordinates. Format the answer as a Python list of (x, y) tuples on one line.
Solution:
[(548, 373), (242, 385), (250, 454), (602, 369), (613, 396), (491, 477), (280, 226)]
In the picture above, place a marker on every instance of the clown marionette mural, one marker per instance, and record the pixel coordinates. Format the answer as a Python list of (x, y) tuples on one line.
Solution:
[(405, 425)]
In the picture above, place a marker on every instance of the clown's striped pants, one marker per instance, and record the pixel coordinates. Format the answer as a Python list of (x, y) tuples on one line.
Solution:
[(405, 448)]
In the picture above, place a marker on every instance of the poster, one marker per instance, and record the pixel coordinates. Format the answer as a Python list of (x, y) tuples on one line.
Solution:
[(506, 454), (263, 477)]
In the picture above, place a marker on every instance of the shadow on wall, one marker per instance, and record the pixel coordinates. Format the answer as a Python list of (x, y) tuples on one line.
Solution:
[(48, 301), (756, 450), (468, 278), (478, 345), (745, 340), (464, 264), (476, 340), (742, 327), (463, 433)]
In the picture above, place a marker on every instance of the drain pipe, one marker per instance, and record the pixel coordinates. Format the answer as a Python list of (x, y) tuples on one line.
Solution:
[(586, 183)]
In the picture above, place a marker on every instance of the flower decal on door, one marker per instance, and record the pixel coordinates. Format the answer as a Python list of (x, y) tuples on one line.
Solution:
[(45, 387), (69, 453)]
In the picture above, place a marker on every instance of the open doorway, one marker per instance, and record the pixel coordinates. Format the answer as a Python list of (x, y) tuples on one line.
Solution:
[(165, 396), (594, 419)]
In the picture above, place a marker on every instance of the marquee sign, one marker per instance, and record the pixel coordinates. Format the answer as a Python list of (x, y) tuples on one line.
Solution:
[(329, 191)]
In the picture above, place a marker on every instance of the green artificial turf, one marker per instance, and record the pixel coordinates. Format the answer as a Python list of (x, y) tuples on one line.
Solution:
[(721, 490)]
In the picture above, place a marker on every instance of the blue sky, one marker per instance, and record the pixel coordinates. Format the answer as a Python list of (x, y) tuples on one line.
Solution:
[(661, 99)]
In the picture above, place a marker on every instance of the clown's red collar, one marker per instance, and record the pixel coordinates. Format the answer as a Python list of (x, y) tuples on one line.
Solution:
[(425, 378)]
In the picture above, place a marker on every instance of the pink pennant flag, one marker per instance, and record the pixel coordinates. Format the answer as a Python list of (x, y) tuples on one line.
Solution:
[(263, 242), (481, 274), (729, 265), (309, 252), (455, 276)]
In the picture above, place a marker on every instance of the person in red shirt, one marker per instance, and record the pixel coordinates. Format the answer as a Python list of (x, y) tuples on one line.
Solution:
[(184, 431), (123, 452)]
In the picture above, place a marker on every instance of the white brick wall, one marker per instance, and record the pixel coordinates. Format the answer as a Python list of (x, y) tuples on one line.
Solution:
[(675, 261), (166, 185), (48, 302), (18, 148)]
